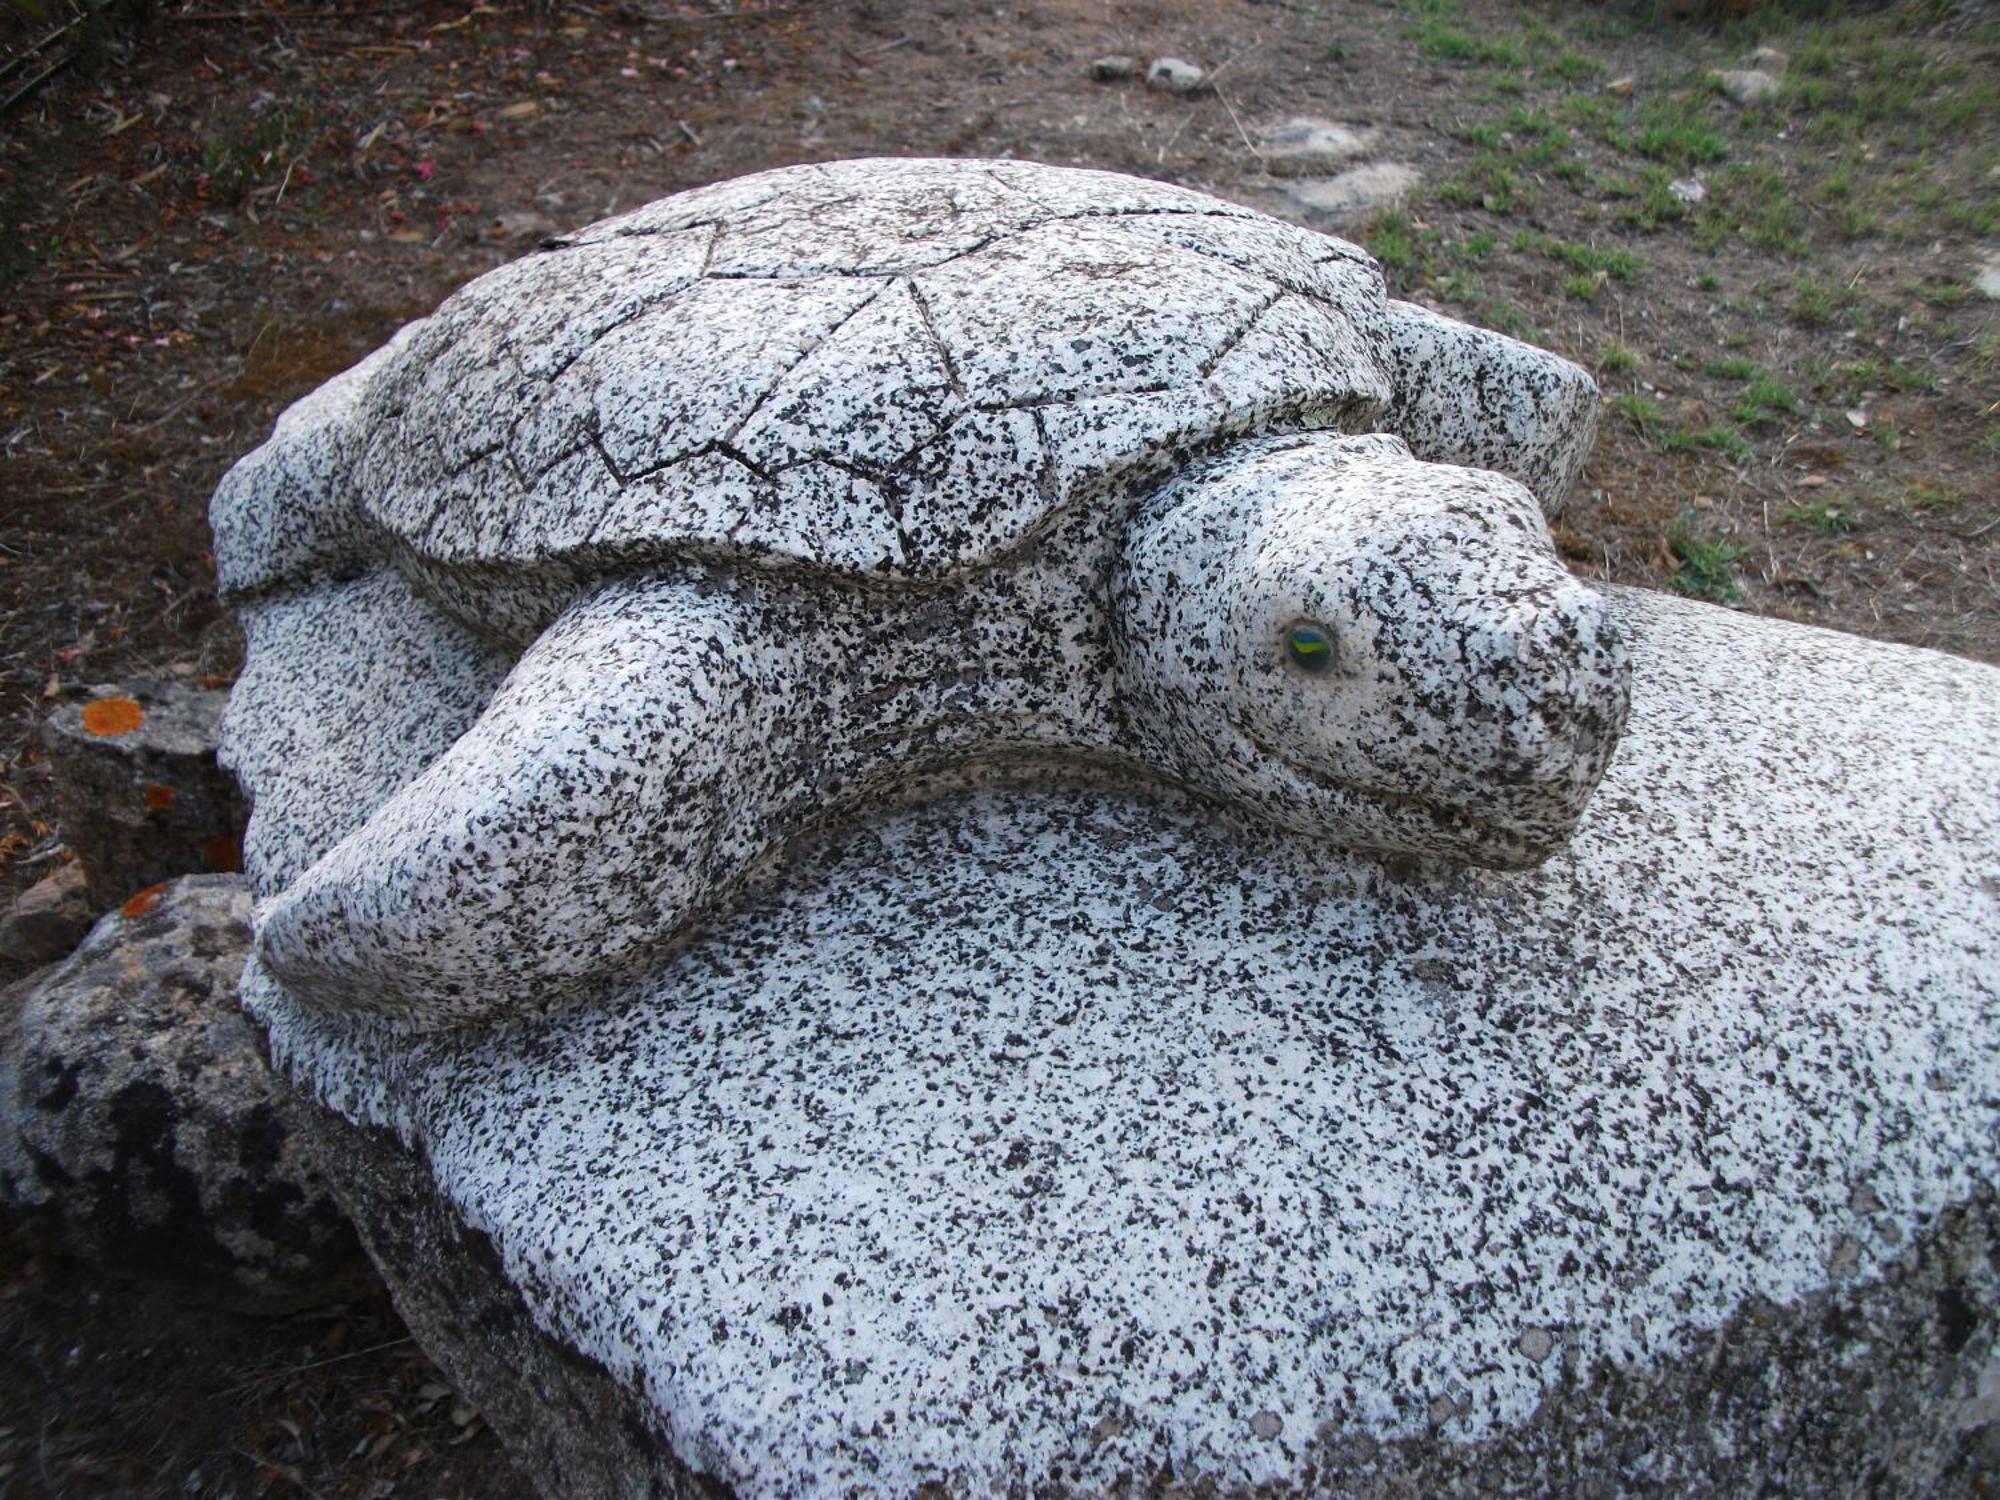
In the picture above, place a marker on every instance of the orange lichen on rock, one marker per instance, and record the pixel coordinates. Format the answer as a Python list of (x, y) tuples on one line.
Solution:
[(112, 716), (159, 797), (142, 902)]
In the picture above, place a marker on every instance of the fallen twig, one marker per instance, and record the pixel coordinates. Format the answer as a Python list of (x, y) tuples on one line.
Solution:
[(7, 105)]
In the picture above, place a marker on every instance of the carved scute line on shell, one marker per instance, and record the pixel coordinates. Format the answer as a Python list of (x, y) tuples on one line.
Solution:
[(811, 348)]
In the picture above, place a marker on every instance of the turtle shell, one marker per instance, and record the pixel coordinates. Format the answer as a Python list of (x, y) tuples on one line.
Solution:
[(899, 368)]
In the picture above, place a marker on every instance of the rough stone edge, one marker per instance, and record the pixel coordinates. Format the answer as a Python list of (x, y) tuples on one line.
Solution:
[(1891, 1386), (565, 1421)]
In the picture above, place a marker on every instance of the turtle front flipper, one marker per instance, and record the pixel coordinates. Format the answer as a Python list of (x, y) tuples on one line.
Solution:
[(610, 789), (1465, 395)]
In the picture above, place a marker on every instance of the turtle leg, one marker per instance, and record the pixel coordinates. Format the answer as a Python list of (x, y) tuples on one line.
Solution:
[(1469, 396), (614, 785)]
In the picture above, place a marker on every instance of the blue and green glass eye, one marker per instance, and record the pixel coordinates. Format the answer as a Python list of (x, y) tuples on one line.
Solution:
[(1310, 647)]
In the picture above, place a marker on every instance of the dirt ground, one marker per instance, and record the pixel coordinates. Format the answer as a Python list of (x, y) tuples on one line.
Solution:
[(204, 217)]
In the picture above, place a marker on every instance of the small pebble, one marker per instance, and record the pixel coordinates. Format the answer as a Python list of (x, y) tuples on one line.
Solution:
[(1173, 75), (1747, 85), (1113, 69)]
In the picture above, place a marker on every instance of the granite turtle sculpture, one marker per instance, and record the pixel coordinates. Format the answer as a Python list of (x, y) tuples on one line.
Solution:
[(794, 491)]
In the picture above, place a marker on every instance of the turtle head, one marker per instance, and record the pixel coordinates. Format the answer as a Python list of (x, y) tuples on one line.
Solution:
[(1388, 653)]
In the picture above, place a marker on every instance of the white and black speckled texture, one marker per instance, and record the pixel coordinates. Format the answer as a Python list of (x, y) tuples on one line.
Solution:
[(1057, 1129), (875, 366), (671, 729), (796, 488), (1060, 1132)]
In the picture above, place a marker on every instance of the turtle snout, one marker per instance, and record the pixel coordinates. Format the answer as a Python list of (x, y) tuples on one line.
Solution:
[(1550, 690)]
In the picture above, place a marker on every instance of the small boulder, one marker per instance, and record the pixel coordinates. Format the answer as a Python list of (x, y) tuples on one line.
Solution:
[(1987, 281), (138, 791), (48, 919), (1357, 192), (1305, 146), (1173, 75), (140, 1125), (1113, 69), (1770, 59), (1747, 85)]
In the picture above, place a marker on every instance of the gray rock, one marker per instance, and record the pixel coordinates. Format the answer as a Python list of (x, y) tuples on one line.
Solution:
[(1747, 85), (1770, 59), (138, 791), (1107, 1112), (48, 919), (1987, 282), (139, 1125), (1356, 193), (1307, 146), (1689, 190), (524, 224), (1895, 1378), (1173, 75), (1002, 1092), (1113, 69)]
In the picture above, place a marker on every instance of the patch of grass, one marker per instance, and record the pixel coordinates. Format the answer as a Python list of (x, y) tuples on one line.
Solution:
[(1728, 442), (1487, 182), (1759, 205), (1978, 215), (1616, 359), (1645, 414), (1574, 67), (1551, 151), (1705, 567), (1650, 201), (1827, 517), (1503, 317), (1392, 241), (1438, 40), (1814, 302), (1860, 375), (1729, 369), (1675, 131), (1532, 123), (1478, 246), (1708, 281), (1583, 287), (1590, 112), (1618, 265), (1764, 400), (1930, 496)]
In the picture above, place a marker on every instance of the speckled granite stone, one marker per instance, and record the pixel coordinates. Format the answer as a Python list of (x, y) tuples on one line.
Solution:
[(1058, 1136), (879, 679), (789, 491)]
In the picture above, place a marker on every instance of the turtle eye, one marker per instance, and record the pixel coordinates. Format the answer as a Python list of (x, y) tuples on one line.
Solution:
[(1309, 646)]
